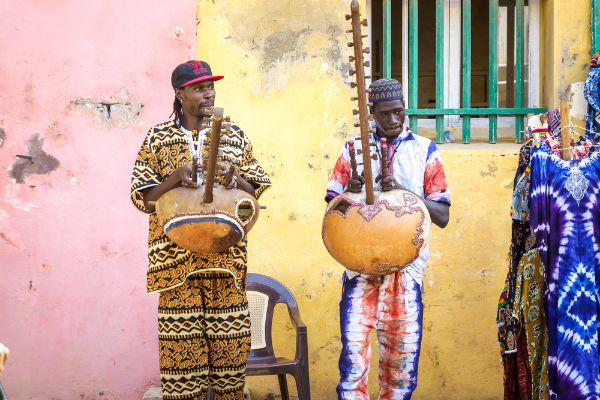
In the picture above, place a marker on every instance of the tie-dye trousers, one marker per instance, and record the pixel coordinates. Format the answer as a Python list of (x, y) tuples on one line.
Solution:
[(391, 305)]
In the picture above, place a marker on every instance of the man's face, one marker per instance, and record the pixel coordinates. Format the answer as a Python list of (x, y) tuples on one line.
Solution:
[(197, 99), (389, 116)]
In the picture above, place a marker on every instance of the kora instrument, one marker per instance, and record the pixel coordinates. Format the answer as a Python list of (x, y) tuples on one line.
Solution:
[(372, 232), (208, 218)]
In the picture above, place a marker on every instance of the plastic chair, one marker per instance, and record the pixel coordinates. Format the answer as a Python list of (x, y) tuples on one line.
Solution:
[(263, 294)]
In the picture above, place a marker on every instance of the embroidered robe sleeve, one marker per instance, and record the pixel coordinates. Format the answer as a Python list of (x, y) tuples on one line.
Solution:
[(340, 176), (434, 182), (145, 173)]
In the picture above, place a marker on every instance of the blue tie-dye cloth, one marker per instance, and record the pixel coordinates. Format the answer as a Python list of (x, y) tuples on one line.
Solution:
[(565, 216)]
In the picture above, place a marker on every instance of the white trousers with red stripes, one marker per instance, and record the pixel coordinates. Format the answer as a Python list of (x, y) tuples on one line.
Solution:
[(391, 305)]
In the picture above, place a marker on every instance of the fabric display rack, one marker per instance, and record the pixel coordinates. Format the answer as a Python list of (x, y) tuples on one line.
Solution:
[(548, 312)]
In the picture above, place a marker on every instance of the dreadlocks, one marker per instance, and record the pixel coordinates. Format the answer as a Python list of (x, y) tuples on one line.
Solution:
[(178, 112)]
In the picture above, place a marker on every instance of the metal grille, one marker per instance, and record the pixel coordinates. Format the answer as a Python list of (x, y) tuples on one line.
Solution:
[(466, 110)]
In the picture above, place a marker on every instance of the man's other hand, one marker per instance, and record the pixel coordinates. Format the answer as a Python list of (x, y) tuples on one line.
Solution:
[(355, 184)]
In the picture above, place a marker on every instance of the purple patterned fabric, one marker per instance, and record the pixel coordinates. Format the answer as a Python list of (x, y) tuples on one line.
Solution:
[(591, 92), (565, 217), (554, 122)]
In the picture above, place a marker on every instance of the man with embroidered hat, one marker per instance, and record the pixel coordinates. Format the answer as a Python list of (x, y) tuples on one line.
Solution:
[(203, 319), (390, 304)]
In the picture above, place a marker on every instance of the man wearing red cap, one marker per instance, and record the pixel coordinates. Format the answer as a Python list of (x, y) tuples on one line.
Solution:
[(203, 320)]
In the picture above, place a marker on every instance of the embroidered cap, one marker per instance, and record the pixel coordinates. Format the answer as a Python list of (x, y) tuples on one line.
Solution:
[(385, 90), (192, 72)]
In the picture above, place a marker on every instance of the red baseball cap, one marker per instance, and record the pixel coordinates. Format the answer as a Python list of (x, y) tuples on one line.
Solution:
[(192, 72)]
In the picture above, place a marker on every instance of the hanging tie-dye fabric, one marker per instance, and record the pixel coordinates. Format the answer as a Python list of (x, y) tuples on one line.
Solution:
[(565, 216), (591, 92)]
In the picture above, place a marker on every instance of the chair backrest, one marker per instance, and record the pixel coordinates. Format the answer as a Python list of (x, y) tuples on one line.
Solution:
[(264, 293)]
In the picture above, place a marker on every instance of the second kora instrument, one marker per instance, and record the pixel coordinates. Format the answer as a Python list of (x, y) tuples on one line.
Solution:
[(376, 239), (373, 232), (208, 218)]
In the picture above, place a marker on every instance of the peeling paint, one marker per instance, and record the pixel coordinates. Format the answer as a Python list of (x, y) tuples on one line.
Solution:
[(56, 134), (491, 170), (179, 33), (37, 162), (280, 46), (13, 198), (6, 239), (106, 250), (119, 110)]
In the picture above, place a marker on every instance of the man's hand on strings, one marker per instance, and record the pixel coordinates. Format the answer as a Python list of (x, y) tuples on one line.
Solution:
[(389, 183), (184, 175), (222, 170), (230, 176), (355, 184)]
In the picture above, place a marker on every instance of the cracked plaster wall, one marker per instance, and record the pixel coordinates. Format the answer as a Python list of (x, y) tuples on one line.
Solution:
[(565, 51), (81, 83)]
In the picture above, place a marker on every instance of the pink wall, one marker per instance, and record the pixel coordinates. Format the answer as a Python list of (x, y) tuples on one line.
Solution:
[(73, 306)]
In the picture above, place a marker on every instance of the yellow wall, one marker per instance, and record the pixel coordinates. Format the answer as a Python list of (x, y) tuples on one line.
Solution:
[(566, 47), (286, 84)]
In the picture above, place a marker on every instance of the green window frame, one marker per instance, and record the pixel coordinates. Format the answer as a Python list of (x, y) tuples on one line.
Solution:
[(466, 111)]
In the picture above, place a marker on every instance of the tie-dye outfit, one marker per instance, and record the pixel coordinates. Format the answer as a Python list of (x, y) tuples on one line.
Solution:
[(565, 211), (203, 319), (390, 304)]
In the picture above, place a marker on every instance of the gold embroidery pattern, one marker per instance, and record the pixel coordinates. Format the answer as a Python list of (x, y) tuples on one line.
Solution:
[(204, 336), (529, 311)]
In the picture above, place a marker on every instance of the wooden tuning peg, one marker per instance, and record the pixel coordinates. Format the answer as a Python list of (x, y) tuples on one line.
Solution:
[(351, 58), (351, 72), (367, 76), (354, 98), (367, 50), (350, 44), (353, 85), (367, 63), (364, 36), (355, 112), (349, 31), (364, 22), (348, 17), (357, 124)]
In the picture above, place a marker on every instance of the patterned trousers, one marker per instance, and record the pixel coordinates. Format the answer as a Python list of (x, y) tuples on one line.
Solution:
[(391, 305), (204, 338)]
